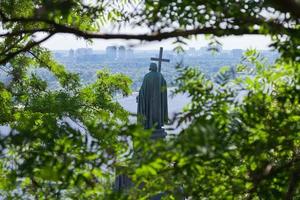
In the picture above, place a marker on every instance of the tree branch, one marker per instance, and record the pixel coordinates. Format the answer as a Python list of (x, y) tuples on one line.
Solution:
[(39, 60), (158, 35), (294, 180), (269, 171), (9, 47), (61, 28), (52, 27), (30, 45)]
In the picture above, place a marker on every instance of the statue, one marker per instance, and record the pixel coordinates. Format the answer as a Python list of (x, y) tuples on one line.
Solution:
[(152, 112), (153, 101)]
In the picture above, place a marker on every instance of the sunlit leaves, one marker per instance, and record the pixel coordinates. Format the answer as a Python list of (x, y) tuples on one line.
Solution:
[(230, 149), (66, 138), (254, 134), (6, 105)]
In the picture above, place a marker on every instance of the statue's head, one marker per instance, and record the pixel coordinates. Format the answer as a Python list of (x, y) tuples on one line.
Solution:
[(153, 67)]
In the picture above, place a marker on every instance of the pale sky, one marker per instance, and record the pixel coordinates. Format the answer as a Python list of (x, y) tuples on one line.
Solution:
[(66, 42)]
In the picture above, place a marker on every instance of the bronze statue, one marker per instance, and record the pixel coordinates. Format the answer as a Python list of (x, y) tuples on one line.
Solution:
[(153, 100)]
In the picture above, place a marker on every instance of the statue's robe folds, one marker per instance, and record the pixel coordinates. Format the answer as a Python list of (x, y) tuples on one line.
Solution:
[(153, 101)]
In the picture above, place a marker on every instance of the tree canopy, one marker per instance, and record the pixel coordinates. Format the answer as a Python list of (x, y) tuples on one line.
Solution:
[(163, 19), (233, 147)]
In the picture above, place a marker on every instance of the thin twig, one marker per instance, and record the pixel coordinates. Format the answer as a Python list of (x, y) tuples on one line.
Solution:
[(8, 48), (9, 56)]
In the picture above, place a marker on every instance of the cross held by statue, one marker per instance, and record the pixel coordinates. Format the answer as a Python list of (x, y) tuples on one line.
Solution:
[(160, 59)]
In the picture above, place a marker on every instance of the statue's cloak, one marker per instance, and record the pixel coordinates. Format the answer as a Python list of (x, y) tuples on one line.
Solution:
[(153, 101)]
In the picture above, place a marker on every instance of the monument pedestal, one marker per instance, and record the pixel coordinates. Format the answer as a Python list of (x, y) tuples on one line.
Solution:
[(158, 134), (122, 182)]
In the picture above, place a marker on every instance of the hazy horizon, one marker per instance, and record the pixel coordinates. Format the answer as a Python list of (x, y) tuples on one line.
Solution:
[(67, 42)]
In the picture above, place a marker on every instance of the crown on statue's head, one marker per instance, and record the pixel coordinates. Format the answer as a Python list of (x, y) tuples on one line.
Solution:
[(153, 67)]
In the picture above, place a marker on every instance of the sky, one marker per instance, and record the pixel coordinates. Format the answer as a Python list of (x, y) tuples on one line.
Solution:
[(66, 42)]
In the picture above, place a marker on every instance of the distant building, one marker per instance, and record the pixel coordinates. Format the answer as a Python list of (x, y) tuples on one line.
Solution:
[(71, 53), (58, 55), (203, 50), (84, 51), (111, 52), (121, 52), (237, 52), (129, 53), (191, 51)]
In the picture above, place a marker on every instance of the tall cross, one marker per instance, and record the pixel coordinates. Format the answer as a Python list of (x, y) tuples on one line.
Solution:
[(160, 59)]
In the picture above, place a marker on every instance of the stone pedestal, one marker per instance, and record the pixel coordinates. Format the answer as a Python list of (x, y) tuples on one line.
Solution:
[(122, 182), (159, 134)]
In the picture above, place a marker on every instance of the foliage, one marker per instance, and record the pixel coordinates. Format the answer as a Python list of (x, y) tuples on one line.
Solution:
[(58, 141), (246, 148), (242, 139), (161, 19)]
